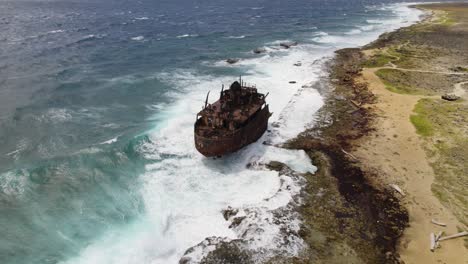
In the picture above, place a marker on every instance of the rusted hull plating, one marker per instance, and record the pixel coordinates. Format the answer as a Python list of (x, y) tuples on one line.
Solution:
[(219, 146)]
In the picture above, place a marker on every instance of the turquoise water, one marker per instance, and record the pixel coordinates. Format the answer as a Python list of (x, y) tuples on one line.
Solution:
[(97, 104)]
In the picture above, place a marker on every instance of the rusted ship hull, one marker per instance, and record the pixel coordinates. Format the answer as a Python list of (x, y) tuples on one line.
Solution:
[(222, 145)]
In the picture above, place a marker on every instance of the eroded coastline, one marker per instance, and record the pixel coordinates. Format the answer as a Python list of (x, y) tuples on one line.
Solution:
[(349, 210), (366, 142)]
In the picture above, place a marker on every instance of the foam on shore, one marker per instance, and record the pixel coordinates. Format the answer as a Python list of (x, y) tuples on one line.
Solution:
[(185, 193)]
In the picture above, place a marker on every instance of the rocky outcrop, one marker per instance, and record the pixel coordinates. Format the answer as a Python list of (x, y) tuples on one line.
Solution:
[(288, 44), (232, 60), (259, 50), (450, 97)]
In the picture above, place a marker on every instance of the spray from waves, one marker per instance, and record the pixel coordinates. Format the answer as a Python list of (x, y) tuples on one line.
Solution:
[(67, 201), (402, 16), (185, 194)]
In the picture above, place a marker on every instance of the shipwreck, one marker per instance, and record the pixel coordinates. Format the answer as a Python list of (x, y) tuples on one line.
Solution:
[(238, 118)]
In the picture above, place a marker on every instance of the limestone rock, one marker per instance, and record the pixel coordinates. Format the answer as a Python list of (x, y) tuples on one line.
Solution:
[(450, 97)]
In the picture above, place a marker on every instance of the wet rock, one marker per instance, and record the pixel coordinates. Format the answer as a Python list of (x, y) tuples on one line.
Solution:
[(288, 44), (232, 60), (185, 260), (232, 252), (275, 165), (259, 50), (236, 221), (227, 213), (450, 97)]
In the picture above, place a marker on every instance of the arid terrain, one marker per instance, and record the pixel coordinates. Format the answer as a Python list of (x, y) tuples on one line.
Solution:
[(392, 153)]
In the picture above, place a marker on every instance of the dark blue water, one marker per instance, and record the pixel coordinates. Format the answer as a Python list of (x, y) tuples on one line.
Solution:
[(93, 95)]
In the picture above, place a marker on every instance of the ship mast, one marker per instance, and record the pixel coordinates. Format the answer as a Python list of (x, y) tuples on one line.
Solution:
[(222, 89), (206, 101)]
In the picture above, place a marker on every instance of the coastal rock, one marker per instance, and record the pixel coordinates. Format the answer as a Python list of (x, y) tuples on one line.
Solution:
[(228, 212), (275, 165), (236, 221), (288, 44), (259, 50), (450, 97), (292, 82), (232, 60), (229, 252)]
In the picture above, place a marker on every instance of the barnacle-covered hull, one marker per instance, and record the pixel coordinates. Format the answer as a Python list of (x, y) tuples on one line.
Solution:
[(219, 145)]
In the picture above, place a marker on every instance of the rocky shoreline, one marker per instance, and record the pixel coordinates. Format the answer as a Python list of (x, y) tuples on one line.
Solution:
[(348, 210), (368, 218), (360, 220), (346, 217)]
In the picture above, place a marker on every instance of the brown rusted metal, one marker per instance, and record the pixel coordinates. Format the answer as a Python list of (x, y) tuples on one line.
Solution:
[(238, 118)]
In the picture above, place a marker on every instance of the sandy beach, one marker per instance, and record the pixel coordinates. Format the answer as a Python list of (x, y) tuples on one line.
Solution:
[(401, 155)]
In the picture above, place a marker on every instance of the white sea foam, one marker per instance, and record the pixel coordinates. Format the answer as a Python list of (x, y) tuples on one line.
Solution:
[(13, 183), (320, 33), (90, 36), (404, 16), (367, 27), (236, 37), (56, 31), (110, 141), (139, 38), (184, 193), (55, 115), (375, 21), (187, 36), (354, 32)]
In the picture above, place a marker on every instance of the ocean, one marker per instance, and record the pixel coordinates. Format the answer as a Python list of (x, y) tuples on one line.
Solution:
[(97, 105)]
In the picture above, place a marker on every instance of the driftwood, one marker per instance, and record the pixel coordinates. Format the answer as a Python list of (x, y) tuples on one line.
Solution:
[(435, 222), (437, 239), (355, 103), (433, 241), (349, 154), (464, 233), (398, 189)]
